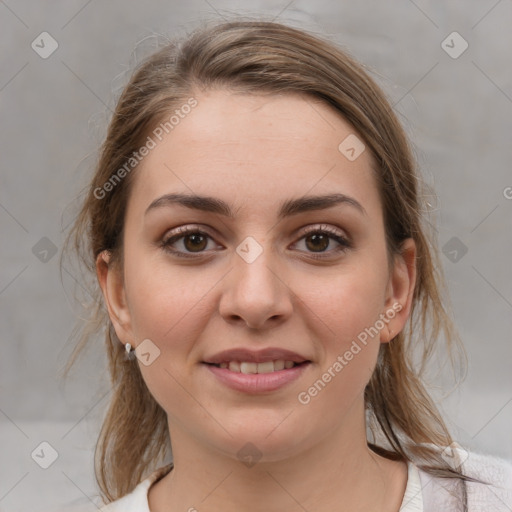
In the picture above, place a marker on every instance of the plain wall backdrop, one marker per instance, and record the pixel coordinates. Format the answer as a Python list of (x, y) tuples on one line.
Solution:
[(455, 103)]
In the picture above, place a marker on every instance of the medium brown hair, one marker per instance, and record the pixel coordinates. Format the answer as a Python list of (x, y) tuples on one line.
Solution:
[(257, 57)]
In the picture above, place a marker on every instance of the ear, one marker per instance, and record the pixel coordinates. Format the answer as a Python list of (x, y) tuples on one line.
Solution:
[(112, 285), (400, 291)]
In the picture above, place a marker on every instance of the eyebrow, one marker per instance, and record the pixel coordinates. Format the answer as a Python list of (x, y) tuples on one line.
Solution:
[(288, 208)]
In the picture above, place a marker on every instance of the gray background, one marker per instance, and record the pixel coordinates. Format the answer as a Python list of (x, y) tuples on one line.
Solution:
[(54, 111)]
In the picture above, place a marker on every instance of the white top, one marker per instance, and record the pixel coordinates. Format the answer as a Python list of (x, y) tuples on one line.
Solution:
[(137, 500), (423, 493), (413, 498)]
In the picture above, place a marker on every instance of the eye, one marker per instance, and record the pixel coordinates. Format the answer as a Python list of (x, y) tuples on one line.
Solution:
[(192, 242), (191, 239), (318, 239)]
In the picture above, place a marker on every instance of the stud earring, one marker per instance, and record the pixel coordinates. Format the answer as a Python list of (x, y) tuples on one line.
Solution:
[(130, 351)]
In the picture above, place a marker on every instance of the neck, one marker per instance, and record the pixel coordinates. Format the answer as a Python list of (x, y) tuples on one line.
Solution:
[(338, 472)]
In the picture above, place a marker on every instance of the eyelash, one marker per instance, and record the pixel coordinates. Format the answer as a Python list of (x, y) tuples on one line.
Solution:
[(182, 232)]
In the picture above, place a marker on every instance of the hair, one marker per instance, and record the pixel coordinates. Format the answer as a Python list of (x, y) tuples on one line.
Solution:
[(263, 57)]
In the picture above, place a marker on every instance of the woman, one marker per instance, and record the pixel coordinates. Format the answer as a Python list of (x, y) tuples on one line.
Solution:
[(254, 224)]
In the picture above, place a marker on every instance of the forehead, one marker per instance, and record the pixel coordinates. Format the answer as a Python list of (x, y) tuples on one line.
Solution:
[(260, 147)]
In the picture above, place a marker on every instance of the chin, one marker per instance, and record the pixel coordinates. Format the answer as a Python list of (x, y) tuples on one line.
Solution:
[(264, 440)]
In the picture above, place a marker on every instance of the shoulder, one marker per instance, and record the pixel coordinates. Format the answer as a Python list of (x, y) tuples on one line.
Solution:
[(496, 470), (496, 493), (492, 493), (137, 500)]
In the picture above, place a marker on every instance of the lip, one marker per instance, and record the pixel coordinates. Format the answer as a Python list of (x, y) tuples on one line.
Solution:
[(256, 383), (255, 356)]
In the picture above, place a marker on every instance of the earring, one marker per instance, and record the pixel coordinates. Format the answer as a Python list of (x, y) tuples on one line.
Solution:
[(130, 351)]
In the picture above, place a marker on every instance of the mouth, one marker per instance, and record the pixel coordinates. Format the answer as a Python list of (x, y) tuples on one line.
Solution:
[(250, 367), (256, 371)]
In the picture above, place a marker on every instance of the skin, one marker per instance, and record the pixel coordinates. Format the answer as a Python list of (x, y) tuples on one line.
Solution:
[(254, 152)]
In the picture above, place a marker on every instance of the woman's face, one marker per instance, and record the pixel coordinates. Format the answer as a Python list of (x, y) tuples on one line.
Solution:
[(283, 277)]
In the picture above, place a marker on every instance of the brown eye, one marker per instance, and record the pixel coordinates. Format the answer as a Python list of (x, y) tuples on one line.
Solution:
[(318, 242), (186, 242), (196, 242)]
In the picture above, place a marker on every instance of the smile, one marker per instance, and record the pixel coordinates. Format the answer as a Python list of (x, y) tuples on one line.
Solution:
[(256, 378), (248, 367)]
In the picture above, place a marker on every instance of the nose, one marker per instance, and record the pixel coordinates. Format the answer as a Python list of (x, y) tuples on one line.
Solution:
[(255, 293)]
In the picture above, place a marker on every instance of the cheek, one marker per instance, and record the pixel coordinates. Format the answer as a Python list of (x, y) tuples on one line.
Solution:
[(347, 301), (166, 305), (349, 309), (169, 308), (348, 305)]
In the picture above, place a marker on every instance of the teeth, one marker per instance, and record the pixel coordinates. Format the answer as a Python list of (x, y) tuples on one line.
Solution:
[(278, 365), (250, 367), (234, 366), (267, 367)]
